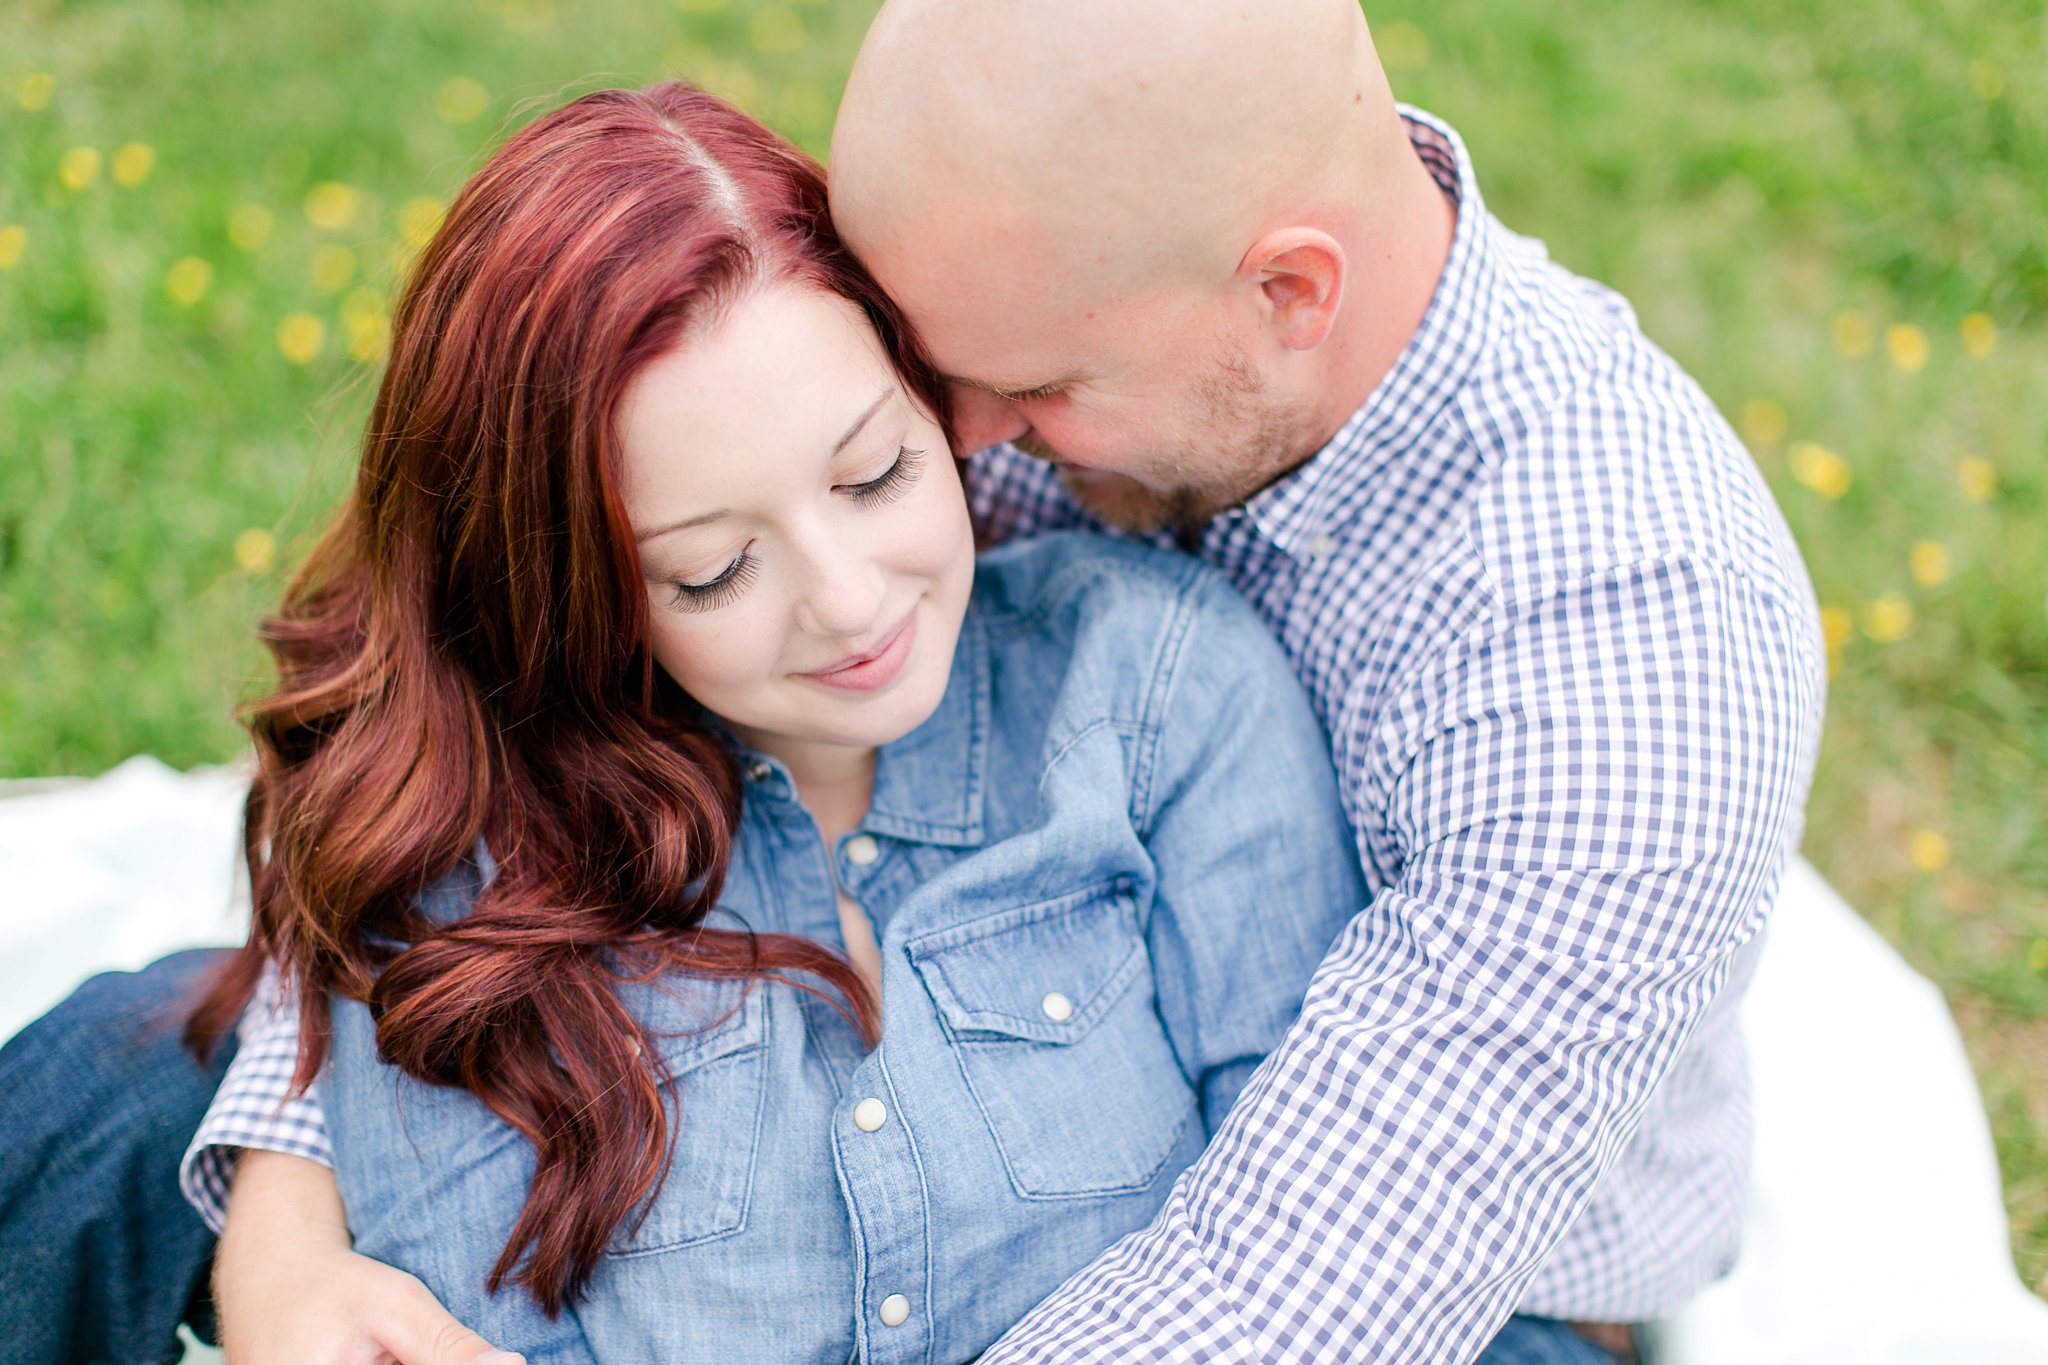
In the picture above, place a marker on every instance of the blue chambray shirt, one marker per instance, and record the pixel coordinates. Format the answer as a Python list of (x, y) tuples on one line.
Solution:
[(1101, 875)]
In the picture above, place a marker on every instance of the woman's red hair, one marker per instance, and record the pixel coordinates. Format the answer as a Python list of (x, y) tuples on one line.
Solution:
[(465, 656)]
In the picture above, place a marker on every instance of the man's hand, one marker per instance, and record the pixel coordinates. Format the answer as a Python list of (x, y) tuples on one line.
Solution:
[(291, 1291)]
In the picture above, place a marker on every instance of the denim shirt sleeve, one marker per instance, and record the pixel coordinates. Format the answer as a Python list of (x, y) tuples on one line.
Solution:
[(1257, 870)]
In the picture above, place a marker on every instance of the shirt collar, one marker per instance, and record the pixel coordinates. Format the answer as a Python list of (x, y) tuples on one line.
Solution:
[(1409, 398), (929, 784)]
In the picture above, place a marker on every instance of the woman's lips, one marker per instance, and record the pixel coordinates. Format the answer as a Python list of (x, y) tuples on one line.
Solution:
[(875, 668)]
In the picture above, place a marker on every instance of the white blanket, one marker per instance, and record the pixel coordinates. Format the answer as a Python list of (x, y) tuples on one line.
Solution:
[(1876, 1235)]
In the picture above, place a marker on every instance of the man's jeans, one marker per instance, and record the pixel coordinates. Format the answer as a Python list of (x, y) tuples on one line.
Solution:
[(100, 1256)]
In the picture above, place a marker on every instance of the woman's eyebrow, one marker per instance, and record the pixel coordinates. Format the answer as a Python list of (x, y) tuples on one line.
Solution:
[(862, 420), (641, 537)]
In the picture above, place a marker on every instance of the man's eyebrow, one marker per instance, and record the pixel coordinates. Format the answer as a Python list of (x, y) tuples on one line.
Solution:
[(1013, 391)]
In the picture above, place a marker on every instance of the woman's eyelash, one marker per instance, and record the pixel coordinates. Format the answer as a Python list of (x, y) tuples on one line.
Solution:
[(893, 481), (890, 485), (720, 590)]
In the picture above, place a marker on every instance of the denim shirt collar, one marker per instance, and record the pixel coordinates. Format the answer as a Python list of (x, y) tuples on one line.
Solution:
[(929, 784)]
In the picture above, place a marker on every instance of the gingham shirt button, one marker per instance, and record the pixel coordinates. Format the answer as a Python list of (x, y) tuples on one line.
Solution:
[(895, 1310), (1057, 1007), (870, 1114), (1320, 546), (861, 850)]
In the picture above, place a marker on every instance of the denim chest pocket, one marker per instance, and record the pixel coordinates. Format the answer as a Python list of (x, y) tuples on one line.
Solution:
[(712, 1036), (1051, 1012)]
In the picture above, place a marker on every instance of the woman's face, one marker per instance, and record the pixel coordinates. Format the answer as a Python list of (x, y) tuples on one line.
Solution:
[(801, 527)]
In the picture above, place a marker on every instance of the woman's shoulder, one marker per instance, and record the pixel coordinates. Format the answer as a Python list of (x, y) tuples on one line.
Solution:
[(1127, 613), (1043, 575)]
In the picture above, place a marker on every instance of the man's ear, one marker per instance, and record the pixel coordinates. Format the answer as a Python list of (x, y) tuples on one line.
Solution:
[(1300, 271)]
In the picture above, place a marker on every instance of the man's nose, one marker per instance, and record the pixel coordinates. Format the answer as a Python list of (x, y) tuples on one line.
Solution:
[(981, 420)]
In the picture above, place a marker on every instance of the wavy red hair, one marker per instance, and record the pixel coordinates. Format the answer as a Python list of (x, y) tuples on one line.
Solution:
[(464, 657)]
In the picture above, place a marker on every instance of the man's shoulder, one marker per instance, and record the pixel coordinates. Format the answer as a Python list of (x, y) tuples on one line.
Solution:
[(1600, 451)]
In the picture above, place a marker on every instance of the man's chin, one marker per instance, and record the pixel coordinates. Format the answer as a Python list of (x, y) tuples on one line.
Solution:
[(1117, 501)]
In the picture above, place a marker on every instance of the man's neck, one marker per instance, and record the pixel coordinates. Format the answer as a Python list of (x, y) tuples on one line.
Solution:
[(1393, 279)]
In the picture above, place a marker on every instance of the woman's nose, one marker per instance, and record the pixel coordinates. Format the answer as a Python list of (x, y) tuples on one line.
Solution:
[(845, 590), (981, 420)]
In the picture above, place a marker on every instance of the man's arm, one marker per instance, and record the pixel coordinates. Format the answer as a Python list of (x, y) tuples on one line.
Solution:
[(1585, 804), (287, 1284)]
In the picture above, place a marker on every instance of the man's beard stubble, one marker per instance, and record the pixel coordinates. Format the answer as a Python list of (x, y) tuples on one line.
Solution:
[(1258, 439)]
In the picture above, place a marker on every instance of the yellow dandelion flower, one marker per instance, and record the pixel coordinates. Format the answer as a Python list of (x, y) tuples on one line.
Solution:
[(1763, 421), (79, 167), (461, 100), (802, 105), (418, 217), (300, 337), (1835, 626), (367, 335), (1820, 469), (331, 205), (1930, 563), (1853, 334), (776, 29), (1980, 335), (528, 16), (362, 301), (1928, 850), (1888, 619), (1978, 476), (187, 280), (13, 245), (249, 226), (1988, 77), (1907, 346), (332, 267), (133, 162), (255, 549), (700, 6), (732, 81), (1402, 46), (32, 92), (2037, 955)]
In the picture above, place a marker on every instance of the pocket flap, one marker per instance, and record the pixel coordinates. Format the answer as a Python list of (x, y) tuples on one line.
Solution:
[(697, 1020), (1046, 971)]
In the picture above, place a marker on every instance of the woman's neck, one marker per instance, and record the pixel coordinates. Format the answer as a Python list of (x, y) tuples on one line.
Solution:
[(836, 783)]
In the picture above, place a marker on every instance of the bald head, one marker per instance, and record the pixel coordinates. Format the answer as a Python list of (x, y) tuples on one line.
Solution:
[(1167, 244), (1134, 135)]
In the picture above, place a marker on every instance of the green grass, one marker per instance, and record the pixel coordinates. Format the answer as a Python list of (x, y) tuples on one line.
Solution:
[(1776, 187)]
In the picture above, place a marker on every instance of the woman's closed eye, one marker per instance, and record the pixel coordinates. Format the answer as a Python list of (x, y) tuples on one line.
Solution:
[(892, 483), (730, 583)]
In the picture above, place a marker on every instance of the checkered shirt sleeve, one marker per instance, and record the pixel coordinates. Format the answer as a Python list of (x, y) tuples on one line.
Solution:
[(254, 1107)]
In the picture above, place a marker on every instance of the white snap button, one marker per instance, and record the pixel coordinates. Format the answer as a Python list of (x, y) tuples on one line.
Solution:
[(1321, 546), (862, 849), (1057, 1007), (870, 1114), (759, 771), (895, 1310)]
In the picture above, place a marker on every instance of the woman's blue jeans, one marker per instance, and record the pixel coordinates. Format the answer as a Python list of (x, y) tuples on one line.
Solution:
[(100, 1256)]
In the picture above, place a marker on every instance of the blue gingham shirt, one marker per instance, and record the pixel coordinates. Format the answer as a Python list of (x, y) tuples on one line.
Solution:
[(1571, 670)]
